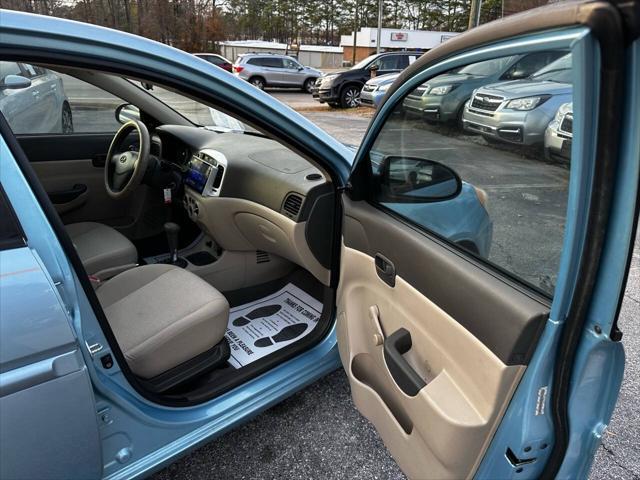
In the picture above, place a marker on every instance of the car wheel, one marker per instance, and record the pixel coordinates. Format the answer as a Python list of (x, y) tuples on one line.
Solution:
[(350, 97), (67, 118), (308, 84), (257, 82)]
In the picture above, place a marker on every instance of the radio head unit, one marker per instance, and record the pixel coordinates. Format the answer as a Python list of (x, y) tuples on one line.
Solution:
[(205, 172)]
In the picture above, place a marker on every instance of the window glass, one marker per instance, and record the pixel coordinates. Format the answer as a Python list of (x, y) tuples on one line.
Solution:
[(509, 143), (530, 64), (9, 68), (288, 63), (58, 103), (11, 235), (273, 62), (389, 62)]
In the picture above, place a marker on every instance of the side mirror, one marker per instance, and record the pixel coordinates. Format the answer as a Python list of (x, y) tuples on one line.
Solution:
[(416, 180), (126, 112), (15, 82), (517, 75), (300, 68), (373, 70)]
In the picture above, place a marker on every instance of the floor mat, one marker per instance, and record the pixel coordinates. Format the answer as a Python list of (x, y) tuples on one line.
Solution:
[(263, 326)]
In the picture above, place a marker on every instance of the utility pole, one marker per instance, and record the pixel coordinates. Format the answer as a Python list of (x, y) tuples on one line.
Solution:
[(355, 36), (380, 7), (474, 13)]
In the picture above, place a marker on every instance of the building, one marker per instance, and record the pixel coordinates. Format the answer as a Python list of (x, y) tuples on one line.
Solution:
[(317, 56), (391, 39)]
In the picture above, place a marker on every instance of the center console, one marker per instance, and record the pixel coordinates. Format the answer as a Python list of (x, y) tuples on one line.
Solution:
[(204, 176)]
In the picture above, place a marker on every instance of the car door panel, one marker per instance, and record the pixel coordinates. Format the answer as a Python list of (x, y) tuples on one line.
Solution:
[(469, 381), (81, 164)]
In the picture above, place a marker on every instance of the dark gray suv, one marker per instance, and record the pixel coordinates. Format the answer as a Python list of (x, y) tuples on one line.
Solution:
[(272, 70)]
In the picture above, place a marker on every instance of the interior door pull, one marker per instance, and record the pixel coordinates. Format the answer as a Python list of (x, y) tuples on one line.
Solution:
[(386, 270), (395, 345)]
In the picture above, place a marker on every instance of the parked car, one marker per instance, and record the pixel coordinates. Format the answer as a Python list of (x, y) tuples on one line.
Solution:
[(271, 70), (442, 99), (519, 111), (373, 91), (120, 352), (342, 88), (559, 134), (33, 98), (217, 60)]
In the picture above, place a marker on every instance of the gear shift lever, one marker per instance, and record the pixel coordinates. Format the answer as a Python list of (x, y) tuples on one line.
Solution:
[(172, 230)]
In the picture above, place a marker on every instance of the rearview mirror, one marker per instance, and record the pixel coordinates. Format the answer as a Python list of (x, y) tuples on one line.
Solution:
[(417, 180), (15, 82), (126, 112)]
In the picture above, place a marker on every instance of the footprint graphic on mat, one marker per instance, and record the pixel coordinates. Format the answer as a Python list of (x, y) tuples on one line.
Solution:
[(287, 333), (260, 312)]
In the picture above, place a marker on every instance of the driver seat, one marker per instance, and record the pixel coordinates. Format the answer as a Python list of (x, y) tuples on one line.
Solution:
[(103, 250)]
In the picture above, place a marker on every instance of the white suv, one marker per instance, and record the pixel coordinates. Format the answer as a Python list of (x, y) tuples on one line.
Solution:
[(272, 70)]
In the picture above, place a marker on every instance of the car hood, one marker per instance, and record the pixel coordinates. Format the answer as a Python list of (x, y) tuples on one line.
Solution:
[(523, 88), (383, 79), (315, 71)]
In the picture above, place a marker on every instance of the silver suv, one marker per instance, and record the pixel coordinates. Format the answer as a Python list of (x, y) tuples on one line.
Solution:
[(272, 70)]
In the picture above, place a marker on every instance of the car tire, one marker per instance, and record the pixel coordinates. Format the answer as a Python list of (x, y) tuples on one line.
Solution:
[(66, 118), (258, 82), (350, 96), (308, 85)]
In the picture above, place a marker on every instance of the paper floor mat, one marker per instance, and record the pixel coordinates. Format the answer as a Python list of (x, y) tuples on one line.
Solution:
[(263, 326)]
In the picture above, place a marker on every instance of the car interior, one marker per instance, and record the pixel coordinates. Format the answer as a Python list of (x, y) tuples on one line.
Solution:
[(209, 251), (213, 255)]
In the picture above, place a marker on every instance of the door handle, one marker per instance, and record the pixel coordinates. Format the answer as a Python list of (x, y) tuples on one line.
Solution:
[(65, 196), (407, 379), (385, 269)]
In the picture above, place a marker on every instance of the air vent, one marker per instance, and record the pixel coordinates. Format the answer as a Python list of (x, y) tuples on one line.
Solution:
[(262, 257), (218, 180), (292, 205)]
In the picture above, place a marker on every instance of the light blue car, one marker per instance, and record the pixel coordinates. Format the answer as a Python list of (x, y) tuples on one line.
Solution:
[(166, 282)]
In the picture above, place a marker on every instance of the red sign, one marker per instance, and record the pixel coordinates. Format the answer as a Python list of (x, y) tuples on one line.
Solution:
[(399, 36)]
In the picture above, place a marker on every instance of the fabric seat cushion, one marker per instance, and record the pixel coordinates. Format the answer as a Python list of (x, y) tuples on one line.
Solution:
[(100, 247), (162, 316)]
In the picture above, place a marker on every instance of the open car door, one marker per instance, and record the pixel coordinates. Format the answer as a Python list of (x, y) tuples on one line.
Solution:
[(483, 262)]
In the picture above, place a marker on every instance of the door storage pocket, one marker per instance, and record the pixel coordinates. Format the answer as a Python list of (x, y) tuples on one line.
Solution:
[(365, 370)]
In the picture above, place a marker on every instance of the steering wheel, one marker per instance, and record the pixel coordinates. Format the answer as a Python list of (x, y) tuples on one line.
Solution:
[(124, 169)]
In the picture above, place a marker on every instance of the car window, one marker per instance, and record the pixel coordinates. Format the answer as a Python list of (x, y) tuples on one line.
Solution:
[(9, 68), (67, 105), (388, 62), (486, 68), (558, 71), (288, 63), (212, 59), (403, 62), (11, 235), (510, 145), (266, 62), (530, 64)]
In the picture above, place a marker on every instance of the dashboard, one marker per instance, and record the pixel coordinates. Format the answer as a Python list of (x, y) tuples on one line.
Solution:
[(250, 193)]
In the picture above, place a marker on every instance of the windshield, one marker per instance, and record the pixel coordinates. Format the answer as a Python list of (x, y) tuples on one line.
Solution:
[(486, 68), (198, 113), (558, 71), (363, 63)]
